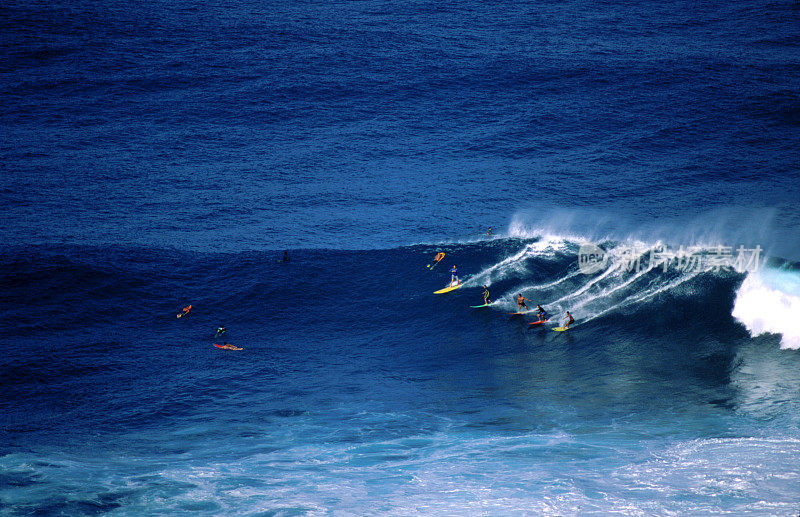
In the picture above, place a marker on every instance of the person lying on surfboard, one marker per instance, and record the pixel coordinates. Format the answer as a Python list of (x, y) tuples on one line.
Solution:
[(571, 320), (541, 313), (185, 311), (486, 300), (228, 346), (521, 303), (453, 276)]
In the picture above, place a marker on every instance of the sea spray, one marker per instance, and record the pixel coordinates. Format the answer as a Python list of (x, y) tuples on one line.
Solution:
[(768, 301)]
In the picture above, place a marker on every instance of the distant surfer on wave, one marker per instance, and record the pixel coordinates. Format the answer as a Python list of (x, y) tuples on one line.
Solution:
[(521, 303), (185, 311), (285, 256), (571, 320), (486, 300), (453, 276), (220, 331), (438, 258), (541, 313)]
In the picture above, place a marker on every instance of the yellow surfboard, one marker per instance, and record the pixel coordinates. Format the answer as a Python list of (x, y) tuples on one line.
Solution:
[(560, 329), (448, 289)]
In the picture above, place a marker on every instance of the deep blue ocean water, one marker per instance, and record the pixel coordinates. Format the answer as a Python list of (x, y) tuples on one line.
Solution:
[(161, 154)]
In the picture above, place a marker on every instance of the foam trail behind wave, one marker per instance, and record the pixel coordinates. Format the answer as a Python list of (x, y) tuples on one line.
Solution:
[(546, 246), (622, 284), (768, 301)]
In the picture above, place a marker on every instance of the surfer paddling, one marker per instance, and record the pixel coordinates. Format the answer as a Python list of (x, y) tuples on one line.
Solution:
[(185, 311), (228, 346)]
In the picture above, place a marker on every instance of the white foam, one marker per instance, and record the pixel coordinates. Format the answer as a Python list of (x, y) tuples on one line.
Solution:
[(768, 301), (546, 246)]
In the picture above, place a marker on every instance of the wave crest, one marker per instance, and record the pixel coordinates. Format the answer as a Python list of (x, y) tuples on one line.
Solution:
[(768, 302)]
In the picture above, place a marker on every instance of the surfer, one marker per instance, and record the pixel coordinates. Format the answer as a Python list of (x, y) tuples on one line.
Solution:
[(220, 331), (438, 258), (228, 346), (521, 302), (486, 300), (571, 320), (285, 256), (453, 275), (185, 311), (541, 313), (489, 232)]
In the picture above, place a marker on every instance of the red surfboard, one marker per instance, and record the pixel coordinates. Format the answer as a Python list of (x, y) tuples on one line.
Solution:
[(538, 322), (227, 347)]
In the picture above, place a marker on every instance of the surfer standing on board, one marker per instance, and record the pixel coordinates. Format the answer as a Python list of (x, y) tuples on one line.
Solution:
[(486, 295), (453, 276), (571, 320), (521, 302), (541, 313)]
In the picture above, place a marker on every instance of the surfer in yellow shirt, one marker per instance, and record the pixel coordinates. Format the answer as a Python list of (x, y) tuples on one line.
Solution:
[(486, 300)]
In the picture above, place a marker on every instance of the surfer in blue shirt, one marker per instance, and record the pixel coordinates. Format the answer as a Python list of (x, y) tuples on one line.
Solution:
[(486, 295), (453, 275), (541, 313)]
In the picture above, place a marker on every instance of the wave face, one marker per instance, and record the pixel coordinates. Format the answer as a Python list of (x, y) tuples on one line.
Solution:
[(355, 375)]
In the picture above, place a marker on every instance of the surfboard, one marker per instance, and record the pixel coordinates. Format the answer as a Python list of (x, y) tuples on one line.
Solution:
[(448, 289), (227, 348), (538, 322), (479, 306), (518, 313), (560, 329)]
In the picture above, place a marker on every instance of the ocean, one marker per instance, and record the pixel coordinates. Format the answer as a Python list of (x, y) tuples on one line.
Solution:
[(635, 164)]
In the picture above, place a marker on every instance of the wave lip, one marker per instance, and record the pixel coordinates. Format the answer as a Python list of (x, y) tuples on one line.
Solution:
[(768, 301)]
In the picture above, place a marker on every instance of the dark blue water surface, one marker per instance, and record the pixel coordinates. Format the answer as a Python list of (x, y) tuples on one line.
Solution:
[(161, 154)]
